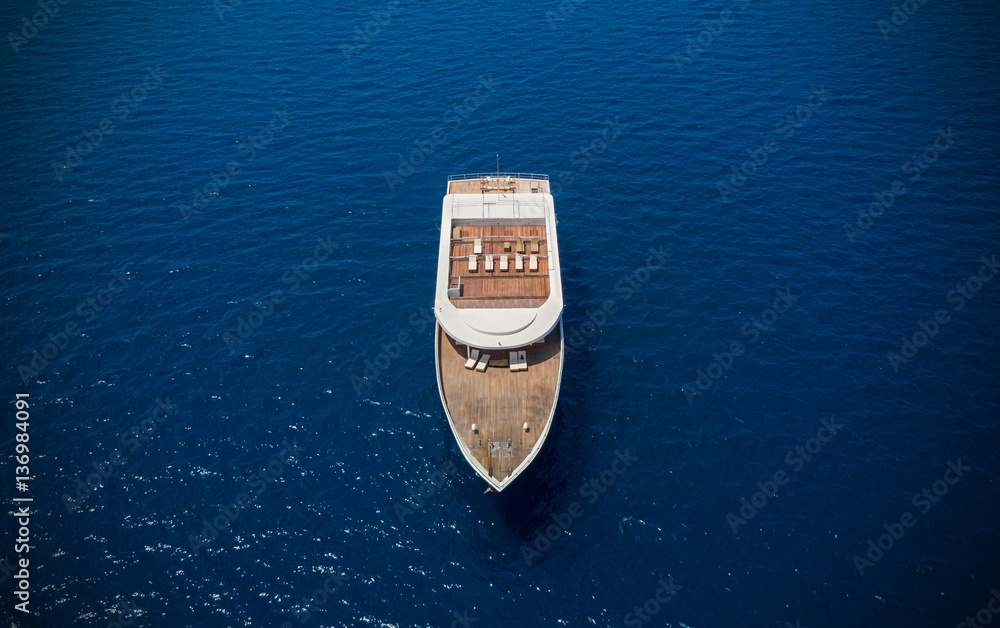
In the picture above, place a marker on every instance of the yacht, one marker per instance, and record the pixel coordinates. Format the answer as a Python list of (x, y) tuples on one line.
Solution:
[(498, 301)]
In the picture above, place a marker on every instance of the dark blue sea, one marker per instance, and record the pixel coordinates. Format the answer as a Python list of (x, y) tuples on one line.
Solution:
[(779, 227)]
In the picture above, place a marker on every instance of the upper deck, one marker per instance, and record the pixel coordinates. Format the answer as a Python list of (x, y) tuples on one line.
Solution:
[(493, 183), (504, 275), (498, 281)]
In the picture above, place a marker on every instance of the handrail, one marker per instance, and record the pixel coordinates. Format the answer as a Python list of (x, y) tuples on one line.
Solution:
[(457, 258), (499, 238), (514, 175)]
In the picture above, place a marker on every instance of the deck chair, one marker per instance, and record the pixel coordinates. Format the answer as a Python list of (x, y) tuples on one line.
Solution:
[(473, 358), (533, 262), (483, 362), (504, 267), (477, 246), (522, 358), (534, 245), (472, 263), (489, 263), (518, 262), (514, 364)]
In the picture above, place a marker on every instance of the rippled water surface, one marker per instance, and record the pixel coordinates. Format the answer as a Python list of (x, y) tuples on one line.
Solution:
[(218, 218)]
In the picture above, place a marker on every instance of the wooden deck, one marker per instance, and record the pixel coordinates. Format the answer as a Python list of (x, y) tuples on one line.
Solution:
[(518, 186), (499, 401), (499, 288)]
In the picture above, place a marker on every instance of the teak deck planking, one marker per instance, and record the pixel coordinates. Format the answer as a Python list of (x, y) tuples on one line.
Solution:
[(495, 186), (500, 401), (499, 288)]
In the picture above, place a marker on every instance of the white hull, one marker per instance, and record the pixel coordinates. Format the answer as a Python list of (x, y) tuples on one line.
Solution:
[(498, 342)]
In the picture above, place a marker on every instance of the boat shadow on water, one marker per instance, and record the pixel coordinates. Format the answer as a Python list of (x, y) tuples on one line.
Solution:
[(551, 484)]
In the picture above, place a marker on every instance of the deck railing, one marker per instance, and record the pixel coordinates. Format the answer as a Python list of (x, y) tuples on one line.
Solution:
[(500, 175)]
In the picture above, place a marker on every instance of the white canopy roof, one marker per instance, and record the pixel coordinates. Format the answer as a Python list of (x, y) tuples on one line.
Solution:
[(488, 328)]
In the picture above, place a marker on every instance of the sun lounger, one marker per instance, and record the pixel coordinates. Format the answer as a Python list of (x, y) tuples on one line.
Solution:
[(477, 246), (489, 263), (483, 361), (518, 361), (504, 267), (533, 262), (472, 263), (534, 245), (473, 358), (518, 262)]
